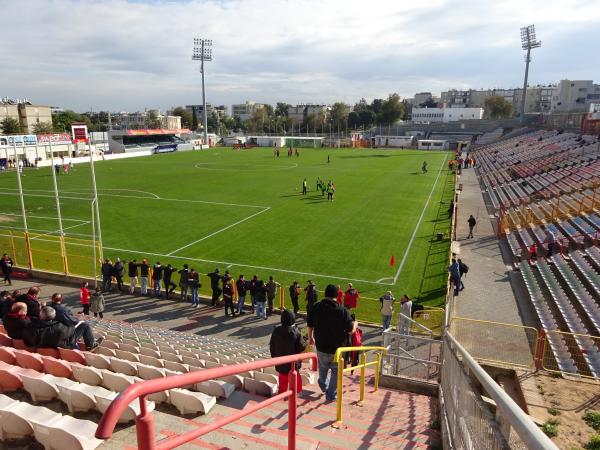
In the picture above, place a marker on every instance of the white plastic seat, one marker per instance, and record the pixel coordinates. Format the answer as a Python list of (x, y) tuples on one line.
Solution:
[(97, 361), (177, 366), (108, 343), (127, 356), (192, 361), (86, 374), (129, 415), (151, 361), (116, 382), (67, 433), (146, 351), (263, 388), (191, 402), (105, 351), (123, 366), (146, 372), (16, 420), (41, 387), (215, 388), (78, 397), (170, 357)]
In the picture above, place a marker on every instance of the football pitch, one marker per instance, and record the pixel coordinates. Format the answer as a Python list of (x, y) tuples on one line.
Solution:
[(243, 211)]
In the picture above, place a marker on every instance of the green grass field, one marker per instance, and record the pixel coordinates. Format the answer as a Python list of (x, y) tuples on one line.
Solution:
[(243, 211)]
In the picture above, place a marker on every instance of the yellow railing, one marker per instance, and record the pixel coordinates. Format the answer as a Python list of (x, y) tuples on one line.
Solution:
[(339, 359)]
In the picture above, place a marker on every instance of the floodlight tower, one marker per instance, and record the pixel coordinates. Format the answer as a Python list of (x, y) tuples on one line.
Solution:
[(527, 43), (202, 53)]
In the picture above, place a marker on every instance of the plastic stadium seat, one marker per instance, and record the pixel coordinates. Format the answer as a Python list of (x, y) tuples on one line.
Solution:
[(57, 367), (97, 361), (236, 381), (177, 366), (5, 340), (192, 361), (268, 377), (308, 377), (86, 374), (16, 420), (188, 354), (74, 356), (20, 344), (10, 377), (67, 432), (123, 366), (116, 382), (149, 352), (104, 351), (263, 388), (108, 343), (191, 402), (129, 348), (49, 352), (170, 357), (215, 388), (207, 357), (29, 360), (151, 361), (7, 355), (128, 356), (78, 397), (147, 372), (132, 411), (43, 387)]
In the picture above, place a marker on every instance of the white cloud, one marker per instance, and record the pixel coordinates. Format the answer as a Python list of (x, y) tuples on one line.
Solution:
[(130, 55)]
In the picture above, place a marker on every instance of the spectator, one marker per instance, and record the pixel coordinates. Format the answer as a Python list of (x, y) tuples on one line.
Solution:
[(451, 208), (353, 340), (119, 273), (295, 295), (532, 253), (260, 298), (271, 287), (46, 332), (311, 296), (287, 340), (132, 271), (107, 273), (97, 303), (350, 297), (387, 309), (81, 328), (550, 239), (215, 277), (228, 297), (471, 222), (463, 269), (454, 275), (340, 295), (241, 287), (252, 288), (183, 282), (84, 298), (144, 272), (6, 264), (193, 283), (31, 299), (6, 302), (16, 320), (225, 278), (167, 274), (157, 272), (329, 324), (406, 311)]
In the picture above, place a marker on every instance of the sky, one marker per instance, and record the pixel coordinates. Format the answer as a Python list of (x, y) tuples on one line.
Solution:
[(121, 55)]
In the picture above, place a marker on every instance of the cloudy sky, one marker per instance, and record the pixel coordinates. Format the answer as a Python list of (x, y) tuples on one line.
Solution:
[(127, 55)]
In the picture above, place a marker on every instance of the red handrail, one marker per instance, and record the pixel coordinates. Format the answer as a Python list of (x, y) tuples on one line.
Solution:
[(145, 421)]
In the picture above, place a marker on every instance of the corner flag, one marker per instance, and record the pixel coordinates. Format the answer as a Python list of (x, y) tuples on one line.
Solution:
[(393, 261)]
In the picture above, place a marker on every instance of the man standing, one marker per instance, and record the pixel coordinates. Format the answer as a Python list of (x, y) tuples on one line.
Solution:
[(260, 298), (193, 282), (271, 291), (241, 287), (119, 272), (132, 272), (294, 295), (387, 309), (311, 296), (329, 324), (472, 222), (455, 275), (169, 285), (462, 270), (157, 272), (144, 272), (550, 239), (406, 311), (183, 279), (304, 187), (6, 265), (215, 277), (65, 316), (228, 297), (107, 273), (351, 297)]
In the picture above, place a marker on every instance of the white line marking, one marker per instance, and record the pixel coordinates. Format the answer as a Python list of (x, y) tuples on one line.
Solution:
[(263, 168), (381, 280), (218, 231), (42, 217), (412, 238), (58, 231)]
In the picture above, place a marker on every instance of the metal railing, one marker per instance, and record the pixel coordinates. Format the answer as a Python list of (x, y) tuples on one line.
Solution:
[(145, 421), (407, 325), (412, 357), (339, 360)]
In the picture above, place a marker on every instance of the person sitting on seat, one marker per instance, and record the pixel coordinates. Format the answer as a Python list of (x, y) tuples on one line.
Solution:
[(31, 299), (46, 332), (81, 328), (16, 320)]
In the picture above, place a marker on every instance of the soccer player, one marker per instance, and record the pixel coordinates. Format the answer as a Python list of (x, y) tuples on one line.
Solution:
[(304, 187), (424, 167)]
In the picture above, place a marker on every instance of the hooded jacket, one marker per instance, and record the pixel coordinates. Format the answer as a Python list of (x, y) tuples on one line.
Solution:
[(14, 324), (286, 340), (47, 334)]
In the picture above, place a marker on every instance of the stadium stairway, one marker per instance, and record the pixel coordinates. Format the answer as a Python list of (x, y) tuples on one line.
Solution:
[(56, 399)]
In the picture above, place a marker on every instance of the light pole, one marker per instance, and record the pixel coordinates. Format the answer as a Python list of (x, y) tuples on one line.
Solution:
[(527, 43), (203, 52)]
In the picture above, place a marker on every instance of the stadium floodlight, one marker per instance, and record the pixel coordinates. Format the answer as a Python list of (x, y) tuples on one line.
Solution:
[(202, 53), (528, 42)]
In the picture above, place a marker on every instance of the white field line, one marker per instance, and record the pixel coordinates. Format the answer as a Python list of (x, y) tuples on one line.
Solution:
[(412, 238), (58, 231), (218, 231), (26, 194), (42, 217), (203, 166), (224, 263)]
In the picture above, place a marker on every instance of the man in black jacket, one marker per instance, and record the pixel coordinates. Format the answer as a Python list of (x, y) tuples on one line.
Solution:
[(107, 273), (241, 287), (16, 320), (81, 328), (183, 282), (294, 295), (119, 273), (167, 274), (6, 265), (31, 299), (157, 272), (46, 332), (144, 271), (132, 272), (287, 340), (215, 277)]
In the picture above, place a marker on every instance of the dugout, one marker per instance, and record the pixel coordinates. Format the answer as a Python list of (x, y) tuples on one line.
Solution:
[(122, 141), (432, 144), (395, 141)]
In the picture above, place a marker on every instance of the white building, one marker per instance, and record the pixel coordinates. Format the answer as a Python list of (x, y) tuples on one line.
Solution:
[(299, 112), (245, 110), (575, 95), (445, 115)]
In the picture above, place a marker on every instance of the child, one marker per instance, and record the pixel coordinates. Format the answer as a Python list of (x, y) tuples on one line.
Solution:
[(354, 340), (287, 340), (97, 305), (84, 298)]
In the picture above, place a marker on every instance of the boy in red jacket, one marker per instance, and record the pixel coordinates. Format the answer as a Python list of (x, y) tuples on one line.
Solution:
[(84, 298)]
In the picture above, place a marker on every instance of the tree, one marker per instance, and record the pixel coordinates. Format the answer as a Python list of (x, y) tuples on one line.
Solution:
[(281, 109), (339, 113), (63, 120), (392, 110), (367, 117), (362, 105), (354, 120), (498, 108), (186, 116), (11, 126), (43, 128), (194, 120)]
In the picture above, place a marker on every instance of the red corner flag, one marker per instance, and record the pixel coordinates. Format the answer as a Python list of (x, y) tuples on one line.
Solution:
[(393, 261)]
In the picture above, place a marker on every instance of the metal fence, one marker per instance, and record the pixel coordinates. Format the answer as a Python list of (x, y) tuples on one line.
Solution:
[(411, 356), (569, 353)]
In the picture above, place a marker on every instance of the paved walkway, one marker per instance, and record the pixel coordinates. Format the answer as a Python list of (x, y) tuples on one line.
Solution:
[(488, 294)]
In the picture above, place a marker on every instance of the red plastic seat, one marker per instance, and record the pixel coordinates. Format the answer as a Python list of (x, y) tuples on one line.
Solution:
[(20, 344), (29, 360), (57, 367), (49, 352), (7, 355), (5, 340), (72, 356)]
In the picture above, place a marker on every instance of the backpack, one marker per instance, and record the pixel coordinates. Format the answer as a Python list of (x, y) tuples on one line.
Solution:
[(464, 268)]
